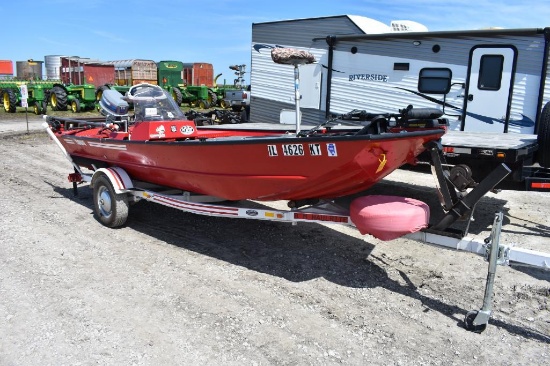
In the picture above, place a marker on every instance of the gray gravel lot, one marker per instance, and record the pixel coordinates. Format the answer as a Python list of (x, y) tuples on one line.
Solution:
[(173, 288)]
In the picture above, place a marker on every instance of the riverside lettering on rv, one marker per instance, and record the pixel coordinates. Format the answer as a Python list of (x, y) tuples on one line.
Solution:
[(370, 77)]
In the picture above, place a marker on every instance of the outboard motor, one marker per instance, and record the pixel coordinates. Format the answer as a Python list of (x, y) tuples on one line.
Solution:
[(113, 106)]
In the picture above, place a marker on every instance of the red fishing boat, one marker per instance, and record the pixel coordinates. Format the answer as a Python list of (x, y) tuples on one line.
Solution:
[(160, 145)]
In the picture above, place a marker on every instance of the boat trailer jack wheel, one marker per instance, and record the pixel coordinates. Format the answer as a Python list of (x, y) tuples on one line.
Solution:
[(477, 320)]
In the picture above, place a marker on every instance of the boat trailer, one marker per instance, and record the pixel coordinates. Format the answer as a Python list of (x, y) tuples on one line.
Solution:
[(113, 189)]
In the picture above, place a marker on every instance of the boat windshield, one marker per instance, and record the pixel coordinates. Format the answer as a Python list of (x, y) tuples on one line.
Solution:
[(152, 103)]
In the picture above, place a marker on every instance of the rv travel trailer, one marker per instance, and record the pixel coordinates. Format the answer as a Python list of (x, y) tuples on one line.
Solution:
[(491, 84)]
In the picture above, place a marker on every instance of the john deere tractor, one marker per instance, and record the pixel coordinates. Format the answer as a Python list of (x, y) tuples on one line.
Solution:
[(77, 97), (10, 92)]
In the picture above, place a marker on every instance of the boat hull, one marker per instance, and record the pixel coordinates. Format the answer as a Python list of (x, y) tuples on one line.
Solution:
[(261, 168)]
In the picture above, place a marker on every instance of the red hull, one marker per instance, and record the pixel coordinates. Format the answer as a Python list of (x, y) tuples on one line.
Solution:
[(251, 164)]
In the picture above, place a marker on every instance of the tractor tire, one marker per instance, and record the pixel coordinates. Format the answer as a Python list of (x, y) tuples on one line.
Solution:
[(212, 98), (10, 100), (177, 95), (224, 104), (44, 104), (75, 106), (58, 99), (99, 92), (203, 104), (543, 139), (37, 108)]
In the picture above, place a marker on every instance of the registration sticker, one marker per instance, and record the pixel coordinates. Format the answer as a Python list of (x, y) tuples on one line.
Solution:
[(331, 149), (293, 150)]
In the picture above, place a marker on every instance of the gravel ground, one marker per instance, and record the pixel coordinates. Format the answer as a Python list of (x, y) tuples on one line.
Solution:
[(173, 288)]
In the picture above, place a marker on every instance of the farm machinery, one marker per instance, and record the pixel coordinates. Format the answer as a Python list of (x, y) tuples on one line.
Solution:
[(43, 92), (77, 97), (10, 92)]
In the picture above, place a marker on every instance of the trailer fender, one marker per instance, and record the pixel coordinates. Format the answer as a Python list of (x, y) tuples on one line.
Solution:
[(543, 137), (117, 176)]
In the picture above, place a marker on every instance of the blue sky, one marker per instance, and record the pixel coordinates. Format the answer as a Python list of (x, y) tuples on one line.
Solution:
[(217, 31)]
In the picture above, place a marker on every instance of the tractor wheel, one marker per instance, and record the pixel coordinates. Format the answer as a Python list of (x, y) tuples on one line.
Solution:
[(203, 104), (75, 106), (99, 92), (194, 103), (37, 108), (10, 100), (543, 139), (177, 95), (224, 104), (212, 98), (44, 104), (58, 99)]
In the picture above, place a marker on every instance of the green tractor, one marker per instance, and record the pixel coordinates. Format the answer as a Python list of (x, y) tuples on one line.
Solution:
[(169, 76), (122, 89), (38, 93), (77, 97)]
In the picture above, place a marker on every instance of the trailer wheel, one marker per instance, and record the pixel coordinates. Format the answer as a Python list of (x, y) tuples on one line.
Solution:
[(111, 209), (10, 100), (58, 99), (177, 95), (75, 106), (469, 323), (543, 139)]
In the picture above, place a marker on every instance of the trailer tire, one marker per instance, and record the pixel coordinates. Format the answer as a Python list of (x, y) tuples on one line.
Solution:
[(110, 208), (58, 99), (10, 100), (543, 139)]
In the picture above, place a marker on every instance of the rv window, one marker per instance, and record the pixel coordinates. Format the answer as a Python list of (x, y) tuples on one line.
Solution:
[(490, 72), (434, 81)]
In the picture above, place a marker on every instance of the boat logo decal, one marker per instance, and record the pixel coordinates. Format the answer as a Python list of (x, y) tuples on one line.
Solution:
[(293, 150), (272, 150), (161, 132), (331, 149), (315, 149), (187, 130), (252, 212), (173, 128)]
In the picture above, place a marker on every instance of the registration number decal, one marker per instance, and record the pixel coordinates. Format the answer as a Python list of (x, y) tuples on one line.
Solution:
[(293, 150), (299, 150)]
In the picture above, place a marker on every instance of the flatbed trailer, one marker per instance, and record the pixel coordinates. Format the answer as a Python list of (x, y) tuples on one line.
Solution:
[(483, 151)]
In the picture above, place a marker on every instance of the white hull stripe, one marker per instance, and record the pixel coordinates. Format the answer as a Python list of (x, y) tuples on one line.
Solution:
[(197, 208), (107, 146)]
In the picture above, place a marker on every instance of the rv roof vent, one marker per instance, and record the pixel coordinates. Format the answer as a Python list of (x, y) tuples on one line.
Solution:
[(407, 26)]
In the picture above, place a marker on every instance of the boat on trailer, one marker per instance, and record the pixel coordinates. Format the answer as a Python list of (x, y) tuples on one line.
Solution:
[(160, 156)]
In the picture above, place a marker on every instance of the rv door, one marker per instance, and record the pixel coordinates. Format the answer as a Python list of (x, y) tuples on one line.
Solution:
[(489, 89)]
